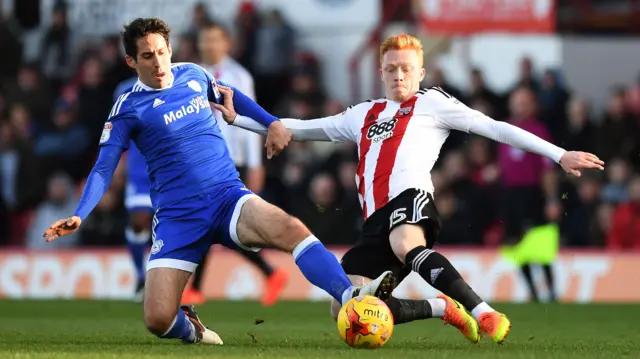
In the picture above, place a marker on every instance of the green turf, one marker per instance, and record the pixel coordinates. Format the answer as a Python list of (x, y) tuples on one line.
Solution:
[(96, 329)]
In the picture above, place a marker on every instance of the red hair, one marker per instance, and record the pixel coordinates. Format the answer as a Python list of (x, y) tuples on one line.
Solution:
[(402, 42)]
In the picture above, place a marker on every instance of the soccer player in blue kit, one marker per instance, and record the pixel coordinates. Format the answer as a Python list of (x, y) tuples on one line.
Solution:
[(195, 189)]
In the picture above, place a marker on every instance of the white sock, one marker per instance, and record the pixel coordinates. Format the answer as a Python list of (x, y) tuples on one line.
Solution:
[(438, 305), (481, 309)]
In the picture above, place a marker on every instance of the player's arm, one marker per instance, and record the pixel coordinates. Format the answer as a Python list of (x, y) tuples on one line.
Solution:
[(114, 140), (243, 103), (331, 128), (452, 114)]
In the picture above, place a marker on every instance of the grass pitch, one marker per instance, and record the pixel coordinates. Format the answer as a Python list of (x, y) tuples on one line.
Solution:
[(108, 329)]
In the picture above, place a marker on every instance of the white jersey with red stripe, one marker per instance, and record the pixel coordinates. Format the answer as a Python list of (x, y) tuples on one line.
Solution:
[(399, 143)]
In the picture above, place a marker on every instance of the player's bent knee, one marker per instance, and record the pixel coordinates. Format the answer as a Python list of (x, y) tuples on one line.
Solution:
[(158, 323), (406, 237)]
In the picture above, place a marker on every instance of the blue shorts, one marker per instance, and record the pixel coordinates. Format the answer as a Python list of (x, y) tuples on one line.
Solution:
[(183, 232), (137, 196)]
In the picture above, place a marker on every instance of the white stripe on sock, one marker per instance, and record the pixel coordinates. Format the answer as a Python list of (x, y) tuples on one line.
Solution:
[(303, 245), (481, 309), (438, 306), (417, 261)]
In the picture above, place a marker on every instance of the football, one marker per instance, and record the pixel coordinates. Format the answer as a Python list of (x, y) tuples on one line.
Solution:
[(365, 322)]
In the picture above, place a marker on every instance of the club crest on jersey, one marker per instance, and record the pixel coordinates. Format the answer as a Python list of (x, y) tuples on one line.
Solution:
[(106, 132), (404, 111), (381, 131), (194, 85)]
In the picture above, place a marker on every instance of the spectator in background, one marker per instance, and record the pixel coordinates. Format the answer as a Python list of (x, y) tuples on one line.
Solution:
[(527, 78), (199, 17), (318, 210), (615, 191), (104, 225), (11, 46), (479, 92), (484, 174), (625, 227), (94, 98), (580, 132), (305, 91), (581, 200), (454, 224), (56, 54), (21, 184), (273, 58), (115, 67), (633, 98), (619, 132), (65, 147), (348, 208), (246, 31), (527, 179), (20, 118), (604, 216), (31, 89), (553, 105), (61, 200), (186, 50)]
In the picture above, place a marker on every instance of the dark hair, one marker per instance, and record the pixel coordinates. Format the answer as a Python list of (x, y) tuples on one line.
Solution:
[(141, 27)]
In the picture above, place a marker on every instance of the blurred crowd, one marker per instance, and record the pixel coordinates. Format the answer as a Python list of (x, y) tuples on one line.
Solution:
[(52, 112)]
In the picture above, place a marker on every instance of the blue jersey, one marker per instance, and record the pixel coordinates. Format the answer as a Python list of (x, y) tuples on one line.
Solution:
[(176, 133), (195, 186)]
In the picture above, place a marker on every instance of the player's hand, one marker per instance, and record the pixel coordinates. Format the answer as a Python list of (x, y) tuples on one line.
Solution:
[(228, 111), (62, 227), (574, 162), (278, 138)]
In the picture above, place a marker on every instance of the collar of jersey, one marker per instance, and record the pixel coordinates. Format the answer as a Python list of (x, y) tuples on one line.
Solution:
[(147, 88)]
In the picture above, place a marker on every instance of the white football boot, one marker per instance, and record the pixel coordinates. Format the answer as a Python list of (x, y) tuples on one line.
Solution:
[(381, 287)]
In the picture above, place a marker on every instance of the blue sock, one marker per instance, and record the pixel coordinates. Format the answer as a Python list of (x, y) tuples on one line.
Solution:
[(182, 328), (321, 267), (137, 244)]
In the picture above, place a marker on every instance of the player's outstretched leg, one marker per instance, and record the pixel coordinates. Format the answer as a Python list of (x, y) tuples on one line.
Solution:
[(162, 314), (410, 246), (263, 225), (406, 310), (138, 234)]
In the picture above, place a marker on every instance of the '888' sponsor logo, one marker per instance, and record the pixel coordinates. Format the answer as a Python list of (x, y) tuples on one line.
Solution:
[(381, 131)]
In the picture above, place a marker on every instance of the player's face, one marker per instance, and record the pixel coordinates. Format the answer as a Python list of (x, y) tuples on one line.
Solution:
[(401, 74), (153, 61), (213, 44)]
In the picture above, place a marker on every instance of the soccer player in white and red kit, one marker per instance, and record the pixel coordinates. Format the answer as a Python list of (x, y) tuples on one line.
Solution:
[(399, 139)]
